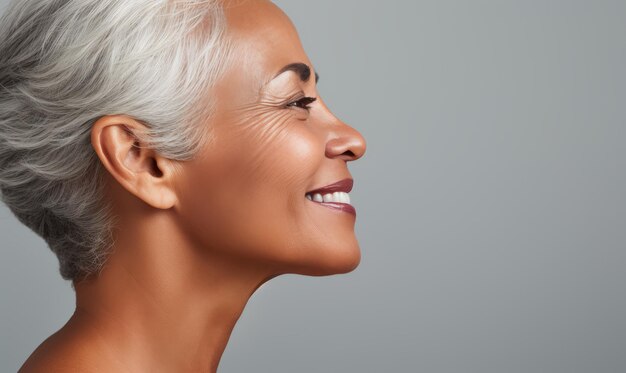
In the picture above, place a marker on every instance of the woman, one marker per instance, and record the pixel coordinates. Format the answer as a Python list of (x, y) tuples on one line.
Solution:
[(175, 156)]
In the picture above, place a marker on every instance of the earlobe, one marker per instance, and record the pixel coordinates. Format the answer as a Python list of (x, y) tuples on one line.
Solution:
[(139, 170)]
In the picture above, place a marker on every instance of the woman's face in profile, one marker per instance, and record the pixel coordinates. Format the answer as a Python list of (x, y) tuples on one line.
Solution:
[(245, 194)]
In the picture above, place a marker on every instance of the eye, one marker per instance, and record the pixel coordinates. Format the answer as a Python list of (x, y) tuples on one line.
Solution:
[(302, 103)]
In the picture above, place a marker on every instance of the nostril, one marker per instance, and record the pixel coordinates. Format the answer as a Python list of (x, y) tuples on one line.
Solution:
[(347, 148)]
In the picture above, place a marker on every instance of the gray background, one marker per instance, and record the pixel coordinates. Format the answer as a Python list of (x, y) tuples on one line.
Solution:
[(490, 201)]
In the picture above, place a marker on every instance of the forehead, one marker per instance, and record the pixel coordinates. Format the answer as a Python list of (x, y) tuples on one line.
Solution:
[(263, 38)]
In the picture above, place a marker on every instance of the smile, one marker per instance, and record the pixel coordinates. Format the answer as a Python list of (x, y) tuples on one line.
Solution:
[(334, 196), (341, 197)]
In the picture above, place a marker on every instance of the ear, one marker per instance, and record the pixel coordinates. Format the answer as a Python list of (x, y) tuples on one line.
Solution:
[(141, 171)]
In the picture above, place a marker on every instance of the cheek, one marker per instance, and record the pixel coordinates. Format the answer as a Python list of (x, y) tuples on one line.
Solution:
[(247, 194), (276, 151), (283, 159)]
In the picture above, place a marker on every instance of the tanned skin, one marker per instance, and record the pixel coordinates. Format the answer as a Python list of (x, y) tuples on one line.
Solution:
[(195, 239)]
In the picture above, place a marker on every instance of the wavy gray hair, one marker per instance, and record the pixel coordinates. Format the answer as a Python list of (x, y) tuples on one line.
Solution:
[(66, 63)]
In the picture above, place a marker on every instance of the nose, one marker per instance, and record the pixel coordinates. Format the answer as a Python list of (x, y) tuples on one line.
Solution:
[(345, 142)]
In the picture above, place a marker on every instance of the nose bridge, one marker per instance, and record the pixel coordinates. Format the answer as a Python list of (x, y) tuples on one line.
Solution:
[(342, 140)]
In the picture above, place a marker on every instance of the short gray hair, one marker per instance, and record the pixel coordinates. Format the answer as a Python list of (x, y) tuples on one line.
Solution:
[(66, 63)]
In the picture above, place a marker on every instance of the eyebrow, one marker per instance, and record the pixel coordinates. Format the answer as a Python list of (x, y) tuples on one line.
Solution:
[(302, 69)]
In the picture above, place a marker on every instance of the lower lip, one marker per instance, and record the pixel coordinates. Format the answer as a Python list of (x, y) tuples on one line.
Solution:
[(337, 206)]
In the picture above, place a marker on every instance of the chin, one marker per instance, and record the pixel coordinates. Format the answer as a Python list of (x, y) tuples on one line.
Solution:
[(341, 261)]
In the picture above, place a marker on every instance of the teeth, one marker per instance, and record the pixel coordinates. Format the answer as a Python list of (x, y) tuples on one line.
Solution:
[(337, 197), (340, 197)]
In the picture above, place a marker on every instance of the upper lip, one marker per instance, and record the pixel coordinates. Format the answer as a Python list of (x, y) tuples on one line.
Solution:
[(344, 185)]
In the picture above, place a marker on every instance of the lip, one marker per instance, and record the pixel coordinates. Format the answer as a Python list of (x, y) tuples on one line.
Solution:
[(344, 185), (339, 206)]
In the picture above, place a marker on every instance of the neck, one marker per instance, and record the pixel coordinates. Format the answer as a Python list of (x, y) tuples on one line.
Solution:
[(161, 304)]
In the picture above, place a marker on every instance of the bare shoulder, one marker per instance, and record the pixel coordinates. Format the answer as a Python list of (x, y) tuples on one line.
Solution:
[(52, 355), (66, 352)]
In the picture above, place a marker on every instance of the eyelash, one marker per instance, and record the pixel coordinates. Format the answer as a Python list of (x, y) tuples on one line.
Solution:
[(302, 103)]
